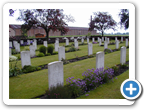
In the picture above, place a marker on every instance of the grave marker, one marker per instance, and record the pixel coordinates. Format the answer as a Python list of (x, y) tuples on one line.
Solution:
[(56, 47), (90, 49), (117, 44), (21, 42), (123, 55), (87, 40), (25, 58), (45, 43), (35, 44), (121, 39), (126, 42), (67, 41), (82, 40), (93, 39), (17, 47), (10, 44), (102, 39), (105, 45), (76, 44), (99, 60), (61, 53), (99, 42), (32, 50), (28, 41), (55, 74)]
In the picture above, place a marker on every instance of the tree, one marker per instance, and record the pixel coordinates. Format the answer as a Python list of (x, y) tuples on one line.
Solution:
[(48, 19), (101, 22), (124, 18)]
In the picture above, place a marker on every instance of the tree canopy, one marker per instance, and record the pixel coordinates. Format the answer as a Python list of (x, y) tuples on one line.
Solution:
[(124, 18), (48, 19), (101, 22)]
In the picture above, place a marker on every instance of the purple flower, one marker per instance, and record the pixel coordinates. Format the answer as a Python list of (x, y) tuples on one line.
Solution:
[(87, 95)]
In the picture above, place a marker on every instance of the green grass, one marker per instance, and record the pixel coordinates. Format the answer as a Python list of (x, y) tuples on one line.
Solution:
[(33, 84), (109, 90), (83, 51)]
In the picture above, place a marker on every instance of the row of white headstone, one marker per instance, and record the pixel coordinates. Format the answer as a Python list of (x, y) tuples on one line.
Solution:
[(56, 74)]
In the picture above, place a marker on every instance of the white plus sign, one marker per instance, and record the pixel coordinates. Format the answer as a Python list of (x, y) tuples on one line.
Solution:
[(131, 89)]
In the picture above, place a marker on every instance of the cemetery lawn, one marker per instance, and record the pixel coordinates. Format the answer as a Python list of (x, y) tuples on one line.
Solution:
[(34, 84), (109, 90), (82, 52)]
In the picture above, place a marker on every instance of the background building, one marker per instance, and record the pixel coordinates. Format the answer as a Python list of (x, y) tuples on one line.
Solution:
[(15, 30)]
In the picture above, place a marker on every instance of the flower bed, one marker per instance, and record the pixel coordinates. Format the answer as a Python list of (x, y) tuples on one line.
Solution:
[(92, 78)]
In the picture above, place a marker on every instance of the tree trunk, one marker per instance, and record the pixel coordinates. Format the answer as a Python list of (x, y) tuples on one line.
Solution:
[(47, 35), (102, 33)]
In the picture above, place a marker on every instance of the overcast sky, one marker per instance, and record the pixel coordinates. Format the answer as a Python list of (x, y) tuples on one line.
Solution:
[(81, 16)]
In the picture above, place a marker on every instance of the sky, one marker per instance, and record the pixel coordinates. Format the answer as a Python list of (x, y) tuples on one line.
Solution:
[(82, 17)]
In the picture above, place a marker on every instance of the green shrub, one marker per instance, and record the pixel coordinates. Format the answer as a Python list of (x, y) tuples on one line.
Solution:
[(107, 51), (28, 69), (41, 55), (115, 68), (48, 54), (124, 66), (50, 49), (14, 51), (42, 49), (64, 61), (59, 92), (14, 71), (38, 68), (54, 53), (72, 49)]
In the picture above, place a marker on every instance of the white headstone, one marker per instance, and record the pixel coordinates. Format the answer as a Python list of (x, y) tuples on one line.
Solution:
[(32, 50), (93, 39), (99, 60), (123, 55), (115, 39), (67, 41), (35, 44), (98, 39), (87, 40), (76, 44), (55, 74), (10, 44), (17, 47), (108, 40), (14, 43), (75, 40), (105, 45), (90, 49), (102, 39), (35, 40), (82, 40), (56, 41), (61, 53), (99, 42), (25, 58), (121, 39), (56, 47), (21, 42), (117, 44), (126, 42), (45, 43), (9, 51), (105, 38), (28, 41)]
